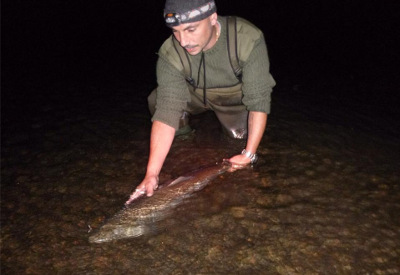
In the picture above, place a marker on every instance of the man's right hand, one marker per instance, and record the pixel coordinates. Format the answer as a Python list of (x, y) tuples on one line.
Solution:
[(147, 186), (161, 139)]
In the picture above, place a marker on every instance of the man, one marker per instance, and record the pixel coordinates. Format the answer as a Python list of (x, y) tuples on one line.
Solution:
[(241, 103)]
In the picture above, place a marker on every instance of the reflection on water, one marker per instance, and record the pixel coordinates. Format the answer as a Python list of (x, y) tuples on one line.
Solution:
[(322, 199)]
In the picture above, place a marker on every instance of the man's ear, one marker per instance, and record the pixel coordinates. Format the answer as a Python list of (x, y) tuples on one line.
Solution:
[(214, 18)]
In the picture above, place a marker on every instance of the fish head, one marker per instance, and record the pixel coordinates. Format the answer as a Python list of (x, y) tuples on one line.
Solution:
[(106, 234)]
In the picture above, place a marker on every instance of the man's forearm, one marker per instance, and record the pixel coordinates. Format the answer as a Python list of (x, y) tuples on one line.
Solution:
[(257, 122), (161, 139)]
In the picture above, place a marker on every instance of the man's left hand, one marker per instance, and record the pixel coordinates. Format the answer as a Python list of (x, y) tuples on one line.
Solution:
[(239, 161)]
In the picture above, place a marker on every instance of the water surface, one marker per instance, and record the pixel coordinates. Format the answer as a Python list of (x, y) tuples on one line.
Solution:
[(324, 197)]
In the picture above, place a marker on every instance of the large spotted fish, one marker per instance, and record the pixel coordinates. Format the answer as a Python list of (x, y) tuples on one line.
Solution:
[(137, 217)]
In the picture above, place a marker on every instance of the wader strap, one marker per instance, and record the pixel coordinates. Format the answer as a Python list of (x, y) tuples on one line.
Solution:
[(232, 46), (187, 69), (232, 52)]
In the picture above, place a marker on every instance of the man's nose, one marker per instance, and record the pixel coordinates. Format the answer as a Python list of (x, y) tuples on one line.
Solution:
[(183, 40)]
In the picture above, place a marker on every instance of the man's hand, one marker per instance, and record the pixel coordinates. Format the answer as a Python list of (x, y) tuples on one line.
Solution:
[(257, 122), (147, 186), (161, 139), (239, 160)]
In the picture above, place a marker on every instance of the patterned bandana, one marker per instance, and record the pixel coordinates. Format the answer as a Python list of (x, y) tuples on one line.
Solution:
[(176, 13)]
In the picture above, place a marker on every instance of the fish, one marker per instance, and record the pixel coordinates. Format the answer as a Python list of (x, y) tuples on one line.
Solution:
[(140, 216)]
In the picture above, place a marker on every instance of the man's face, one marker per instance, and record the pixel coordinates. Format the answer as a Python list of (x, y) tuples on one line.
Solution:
[(197, 36)]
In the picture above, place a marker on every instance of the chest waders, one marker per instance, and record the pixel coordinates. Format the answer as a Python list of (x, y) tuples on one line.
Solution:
[(226, 102)]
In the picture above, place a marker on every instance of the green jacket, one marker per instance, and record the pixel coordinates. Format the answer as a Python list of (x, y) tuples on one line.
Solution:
[(257, 83)]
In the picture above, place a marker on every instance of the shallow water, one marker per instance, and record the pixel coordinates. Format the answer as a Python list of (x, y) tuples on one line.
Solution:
[(324, 197)]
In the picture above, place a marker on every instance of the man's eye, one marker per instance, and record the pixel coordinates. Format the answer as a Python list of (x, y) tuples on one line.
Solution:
[(191, 30)]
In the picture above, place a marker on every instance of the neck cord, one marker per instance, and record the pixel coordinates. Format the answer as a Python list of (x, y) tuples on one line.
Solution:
[(203, 62), (204, 83)]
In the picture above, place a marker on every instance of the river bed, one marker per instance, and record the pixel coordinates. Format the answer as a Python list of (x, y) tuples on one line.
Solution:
[(324, 197)]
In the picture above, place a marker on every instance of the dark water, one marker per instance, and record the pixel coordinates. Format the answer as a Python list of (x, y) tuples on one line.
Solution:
[(323, 198)]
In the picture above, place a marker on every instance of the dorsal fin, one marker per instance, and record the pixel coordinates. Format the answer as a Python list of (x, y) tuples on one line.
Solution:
[(178, 180)]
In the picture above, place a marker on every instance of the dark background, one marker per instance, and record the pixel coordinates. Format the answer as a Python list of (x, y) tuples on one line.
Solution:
[(338, 44)]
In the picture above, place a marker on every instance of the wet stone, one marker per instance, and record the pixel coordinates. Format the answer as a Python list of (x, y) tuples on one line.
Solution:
[(238, 212)]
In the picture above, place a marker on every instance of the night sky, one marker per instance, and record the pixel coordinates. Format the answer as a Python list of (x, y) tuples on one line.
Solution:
[(106, 42)]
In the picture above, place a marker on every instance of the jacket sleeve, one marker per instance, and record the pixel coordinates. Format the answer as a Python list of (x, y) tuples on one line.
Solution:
[(172, 93), (257, 80)]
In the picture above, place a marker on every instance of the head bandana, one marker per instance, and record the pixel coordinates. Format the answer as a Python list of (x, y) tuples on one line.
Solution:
[(178, 12)]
